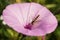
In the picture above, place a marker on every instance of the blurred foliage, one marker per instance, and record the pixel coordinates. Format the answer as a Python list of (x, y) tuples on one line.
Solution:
[(7, 33)]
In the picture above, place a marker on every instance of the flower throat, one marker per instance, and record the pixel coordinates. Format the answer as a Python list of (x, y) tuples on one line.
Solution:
[(29, 26)]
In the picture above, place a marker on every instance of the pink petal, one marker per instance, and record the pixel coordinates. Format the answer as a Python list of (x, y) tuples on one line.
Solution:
[(13, 17), (49, 21), (33, 11), (17, 16)]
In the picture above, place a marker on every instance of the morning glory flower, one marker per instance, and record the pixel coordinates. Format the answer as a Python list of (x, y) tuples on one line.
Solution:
[(30, 19)]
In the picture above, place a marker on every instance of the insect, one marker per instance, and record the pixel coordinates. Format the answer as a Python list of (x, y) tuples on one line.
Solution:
[(34, 19), (29, 26)]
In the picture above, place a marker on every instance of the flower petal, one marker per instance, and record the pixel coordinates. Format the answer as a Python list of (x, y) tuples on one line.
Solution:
[(19, 15), (33, 11), (13, 17)]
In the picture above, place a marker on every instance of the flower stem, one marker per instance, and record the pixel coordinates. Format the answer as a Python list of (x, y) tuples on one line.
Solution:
[(30, 0), (41, 38), (18, 1)]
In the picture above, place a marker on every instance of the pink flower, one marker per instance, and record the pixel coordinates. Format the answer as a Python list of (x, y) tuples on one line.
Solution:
[(30, 19)]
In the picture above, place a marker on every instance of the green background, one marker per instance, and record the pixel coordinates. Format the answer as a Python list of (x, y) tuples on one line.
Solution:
[(7, 33)]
